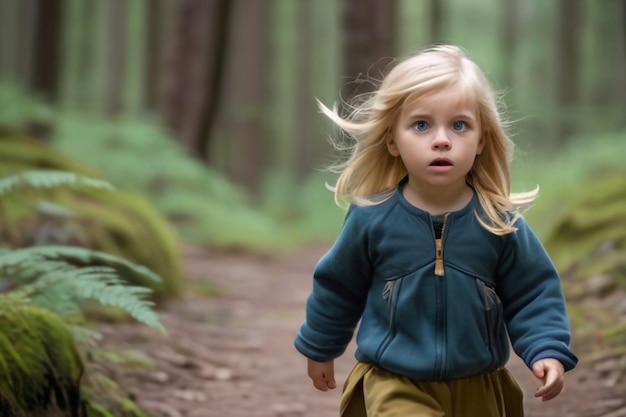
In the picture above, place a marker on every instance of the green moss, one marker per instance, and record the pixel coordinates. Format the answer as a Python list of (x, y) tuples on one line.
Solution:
[(126, 225), (588, 239), (590, 236), (37, 353), (120, 223), (18, 150), (104, 399)]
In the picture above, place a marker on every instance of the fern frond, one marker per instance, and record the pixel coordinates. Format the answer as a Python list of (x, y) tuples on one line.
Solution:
[(108, 289), (39, 179), (72, 253), (46, 277)]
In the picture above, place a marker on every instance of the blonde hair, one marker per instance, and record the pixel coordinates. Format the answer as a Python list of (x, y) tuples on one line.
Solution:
[(371, 170)]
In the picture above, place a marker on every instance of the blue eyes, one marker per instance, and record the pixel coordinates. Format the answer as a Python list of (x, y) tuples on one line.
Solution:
[(422, 126), (458, 126)]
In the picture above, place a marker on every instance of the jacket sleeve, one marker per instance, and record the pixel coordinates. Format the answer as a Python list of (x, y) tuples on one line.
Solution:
[(533, 300), (341, 281)]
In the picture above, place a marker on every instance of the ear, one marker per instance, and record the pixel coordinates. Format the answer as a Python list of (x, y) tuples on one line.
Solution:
[(391, 145)]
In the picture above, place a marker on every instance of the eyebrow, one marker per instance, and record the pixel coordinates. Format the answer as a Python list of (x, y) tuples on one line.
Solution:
[(421, 114)]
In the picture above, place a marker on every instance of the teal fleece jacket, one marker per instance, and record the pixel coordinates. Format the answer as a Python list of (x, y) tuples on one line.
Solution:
[(434, 313)]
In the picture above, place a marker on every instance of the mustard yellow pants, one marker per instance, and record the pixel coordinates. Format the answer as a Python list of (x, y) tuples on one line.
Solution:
[(374, 392)]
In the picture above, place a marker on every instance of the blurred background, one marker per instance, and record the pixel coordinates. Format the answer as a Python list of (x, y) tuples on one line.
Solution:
[(157, 95), (206, 110), (202, 115)]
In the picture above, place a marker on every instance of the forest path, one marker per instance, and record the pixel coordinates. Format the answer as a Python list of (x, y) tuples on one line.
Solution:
[(233, 355)]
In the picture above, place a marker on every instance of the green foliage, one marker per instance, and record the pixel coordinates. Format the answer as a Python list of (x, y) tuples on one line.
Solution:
[(19, 152), (61, 276), (49, 277), (44, 287), (581, 215), (18, 108), (50, 179), (55, 205), (594, 228), (39, 361), (126, 224), (105, 399), (205, 207), (616, 336), (306, 210), (560, 174)]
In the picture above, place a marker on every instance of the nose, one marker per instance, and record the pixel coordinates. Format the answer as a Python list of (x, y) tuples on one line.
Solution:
[(441, 140)]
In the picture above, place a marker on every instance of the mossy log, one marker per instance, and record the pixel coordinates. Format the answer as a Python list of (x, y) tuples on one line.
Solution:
[(19, 152), (121, 223), (40, 365), (588, 246), (590, 236), (105, 399)]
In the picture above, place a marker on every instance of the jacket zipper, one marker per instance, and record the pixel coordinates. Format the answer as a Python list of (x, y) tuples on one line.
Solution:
[(440, 320), (439, 270)]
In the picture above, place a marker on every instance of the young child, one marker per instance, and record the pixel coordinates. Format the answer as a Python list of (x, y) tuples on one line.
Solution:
[(434, 258)]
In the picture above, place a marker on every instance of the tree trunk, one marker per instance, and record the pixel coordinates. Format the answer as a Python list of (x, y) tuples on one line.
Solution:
[(72, 38), (214, 77), (368, 42), (241, 117), (567, 53), (436, 21), (619, 64), (192, 93), (305, 109), (115, 56), (135, 55), (513, 22)]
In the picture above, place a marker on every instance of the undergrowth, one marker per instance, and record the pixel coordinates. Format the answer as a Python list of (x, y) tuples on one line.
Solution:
[(559, 174), (44, 290), (202, 203)]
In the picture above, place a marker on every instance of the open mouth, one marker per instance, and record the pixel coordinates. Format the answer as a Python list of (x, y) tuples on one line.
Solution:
[(440, 162)]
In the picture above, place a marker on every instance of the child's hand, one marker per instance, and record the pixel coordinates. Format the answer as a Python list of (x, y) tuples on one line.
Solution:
[(322, 374), (550, 371)]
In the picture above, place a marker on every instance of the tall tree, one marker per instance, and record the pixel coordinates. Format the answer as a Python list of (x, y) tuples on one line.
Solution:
[(240, 123), (72, 41), (16, 44), (436, 21), (197, 63), (368, 41), (619, 65), (46, 57), (135, 57), (115, 41), (513, 22), (567, 66), (214, 76)]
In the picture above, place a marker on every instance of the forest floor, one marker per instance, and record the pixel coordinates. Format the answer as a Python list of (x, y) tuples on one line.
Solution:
[(232, 355)]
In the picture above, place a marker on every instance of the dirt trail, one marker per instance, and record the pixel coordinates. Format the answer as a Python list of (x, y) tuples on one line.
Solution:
[(233, 356)]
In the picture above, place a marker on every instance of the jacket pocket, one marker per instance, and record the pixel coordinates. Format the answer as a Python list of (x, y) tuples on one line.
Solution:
[(390, 295), (497, 340)]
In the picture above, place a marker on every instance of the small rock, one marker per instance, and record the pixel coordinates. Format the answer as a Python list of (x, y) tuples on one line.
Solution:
[(189, 395), (289, 410), (160, 408), (223, 374), (160, 376), (620, 308), (218, 374), (600, 285)]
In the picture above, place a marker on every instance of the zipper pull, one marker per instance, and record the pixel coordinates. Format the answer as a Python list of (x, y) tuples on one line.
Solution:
[(439, 248), (439, 257)]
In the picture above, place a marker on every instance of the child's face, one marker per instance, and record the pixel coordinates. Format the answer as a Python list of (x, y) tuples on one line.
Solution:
[(438, 137)]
